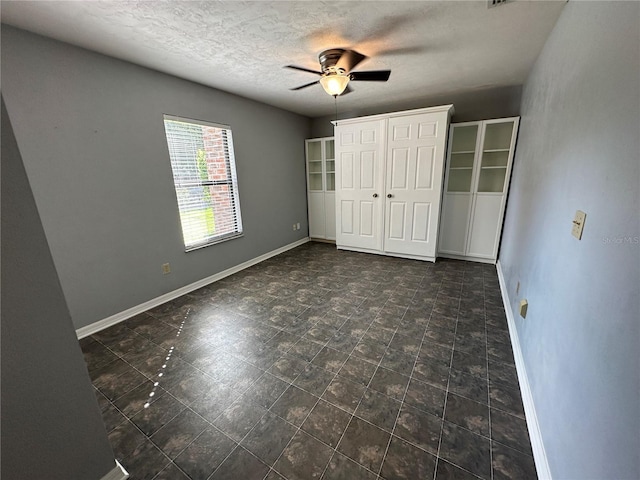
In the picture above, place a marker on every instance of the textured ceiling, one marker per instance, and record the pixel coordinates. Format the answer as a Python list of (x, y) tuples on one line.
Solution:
[(432, 47)]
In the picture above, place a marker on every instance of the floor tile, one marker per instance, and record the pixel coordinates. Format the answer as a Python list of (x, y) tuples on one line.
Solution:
[(213, 402), (171, 472), (343, 468), (158, 414), (378, 409), (327, 423), (205, 454), (398, 362), (466, 449), (344, 393), (330, 359), (419, 428), (178, 434), (294, 405), (287, 367), (145, 461), (364, 443), (124, 439), (466, 413), (314, 379), (466, 363), (241, 464), (269, 437), (447, 471), (405, 461), (239, 418), (469, 386), (509, 463), (257, 349), (357, 370), (266, 390), (390, 383), (510, 431), (425, 397), (506, 398), (304, 458)]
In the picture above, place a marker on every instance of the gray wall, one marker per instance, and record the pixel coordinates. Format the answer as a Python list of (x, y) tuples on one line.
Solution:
[(578, 149), (92, 139), (51, 423), (494, 102)]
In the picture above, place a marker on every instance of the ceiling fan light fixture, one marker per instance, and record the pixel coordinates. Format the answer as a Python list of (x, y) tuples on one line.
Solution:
[(334, 84)]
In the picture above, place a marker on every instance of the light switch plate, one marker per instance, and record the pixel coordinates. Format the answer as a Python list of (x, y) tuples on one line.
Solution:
[(578, 224)]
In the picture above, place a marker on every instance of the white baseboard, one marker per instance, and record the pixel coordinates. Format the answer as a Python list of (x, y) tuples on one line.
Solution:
[(118, 473), (143, 307), (537, 445)]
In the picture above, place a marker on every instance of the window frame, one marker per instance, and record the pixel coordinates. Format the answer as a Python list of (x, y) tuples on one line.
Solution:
[(231, 181)]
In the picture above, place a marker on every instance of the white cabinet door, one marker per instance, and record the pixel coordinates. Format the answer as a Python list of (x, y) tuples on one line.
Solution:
[(453, 223), (414, 165), (359, 185), (485, 229), (316, 207), (330, 215)]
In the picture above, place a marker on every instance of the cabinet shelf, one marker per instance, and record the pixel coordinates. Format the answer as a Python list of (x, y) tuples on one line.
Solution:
[(492, 150), (462, 152)]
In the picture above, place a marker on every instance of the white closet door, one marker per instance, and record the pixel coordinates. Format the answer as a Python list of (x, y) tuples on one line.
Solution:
[(414, 165), (359, 185)]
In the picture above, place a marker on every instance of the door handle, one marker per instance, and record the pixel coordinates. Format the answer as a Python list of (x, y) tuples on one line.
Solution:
[(375, 195), (389, 195)]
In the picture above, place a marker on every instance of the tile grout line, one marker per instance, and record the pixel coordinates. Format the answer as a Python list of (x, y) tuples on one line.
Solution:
[(298, 333), (486, 340), (402, 402), (320, 398), (335, 449)]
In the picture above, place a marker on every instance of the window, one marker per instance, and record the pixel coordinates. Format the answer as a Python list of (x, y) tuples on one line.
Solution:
[(204, 175)]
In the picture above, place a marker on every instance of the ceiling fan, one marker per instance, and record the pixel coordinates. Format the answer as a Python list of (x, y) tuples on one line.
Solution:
[(337, 65)]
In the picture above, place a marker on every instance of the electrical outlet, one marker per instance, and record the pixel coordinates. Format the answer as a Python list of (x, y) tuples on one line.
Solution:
[(298, 226), (578, 224), (294, 227), (524, 306), (166, 268)]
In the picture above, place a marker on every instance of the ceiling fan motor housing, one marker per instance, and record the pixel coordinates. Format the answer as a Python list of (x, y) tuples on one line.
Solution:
[(328, 60)]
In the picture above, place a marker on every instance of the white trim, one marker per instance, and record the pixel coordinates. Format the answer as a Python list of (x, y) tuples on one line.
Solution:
[(143, 307), (467, 258), (537, 444), (443, 108), (387, 254), (117, 473)]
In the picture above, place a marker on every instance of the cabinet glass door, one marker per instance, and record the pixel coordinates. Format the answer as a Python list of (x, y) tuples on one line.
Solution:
[(463, 150), (314, 165), (330, 166), (495, 157)]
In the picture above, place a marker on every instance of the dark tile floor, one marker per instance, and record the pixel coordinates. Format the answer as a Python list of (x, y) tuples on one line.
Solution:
[(318, 364)]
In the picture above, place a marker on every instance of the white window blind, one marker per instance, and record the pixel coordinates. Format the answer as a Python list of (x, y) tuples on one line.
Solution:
[(204, 175)]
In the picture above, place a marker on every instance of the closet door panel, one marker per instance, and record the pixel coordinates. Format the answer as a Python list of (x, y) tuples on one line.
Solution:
[(414, 145), (359, 186)]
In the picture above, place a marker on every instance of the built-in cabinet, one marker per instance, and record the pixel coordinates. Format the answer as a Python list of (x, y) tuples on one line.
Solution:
[(389, 171), (479, 160), (321, 185)]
